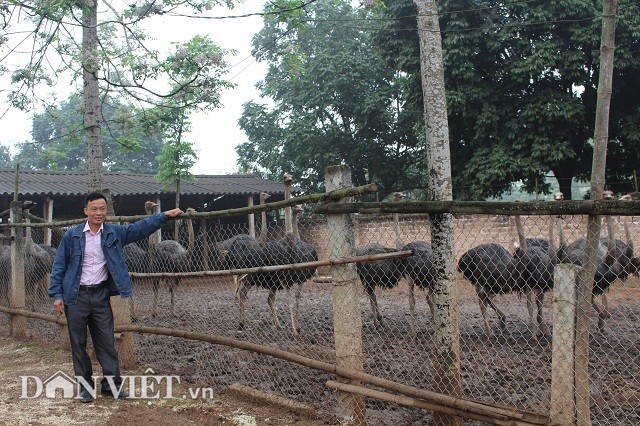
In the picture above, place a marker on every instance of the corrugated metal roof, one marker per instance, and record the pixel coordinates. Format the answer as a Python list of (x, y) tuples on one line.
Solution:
[(75, 183)]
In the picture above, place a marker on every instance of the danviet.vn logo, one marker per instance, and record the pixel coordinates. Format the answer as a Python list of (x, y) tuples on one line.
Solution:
[(144, 386)]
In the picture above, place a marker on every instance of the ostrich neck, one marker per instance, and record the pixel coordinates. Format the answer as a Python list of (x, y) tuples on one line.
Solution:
[(30, 245), (521, 235), (288, 221), (561, 236), (154, 238), (294, 219), (627, 232), (190, 233), (263, 226), (553, 252), (611, 241)]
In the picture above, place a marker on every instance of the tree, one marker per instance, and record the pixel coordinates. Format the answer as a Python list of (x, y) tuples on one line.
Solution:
[(446, 316), (334, 101), (521, 81), (5, 158), (107, 63), (57, 139)]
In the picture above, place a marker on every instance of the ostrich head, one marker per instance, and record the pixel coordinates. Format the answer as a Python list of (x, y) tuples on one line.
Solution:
[(558, 196), (397, 196), (608, 195), (263, 197), (288, 179), (149, 207)]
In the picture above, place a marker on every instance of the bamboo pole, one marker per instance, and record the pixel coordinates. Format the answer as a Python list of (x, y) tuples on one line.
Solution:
[(419, 403), (277, 205), (543, 208), (275, 268), (477, 407), (540, 208)]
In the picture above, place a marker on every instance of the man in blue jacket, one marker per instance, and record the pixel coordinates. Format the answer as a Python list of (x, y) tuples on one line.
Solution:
[(89, 268)]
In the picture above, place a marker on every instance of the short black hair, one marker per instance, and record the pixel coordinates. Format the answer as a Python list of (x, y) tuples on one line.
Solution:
[(92, 196)]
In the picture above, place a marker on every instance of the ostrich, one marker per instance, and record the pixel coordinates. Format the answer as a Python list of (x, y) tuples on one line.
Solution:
[(295, 250), (245, 251), (492, 270), (138, 259), (610, 263), (630, 261), (418, 270), (170, 256), (535, 263), (384, 273), (38, 259), (288, 250)]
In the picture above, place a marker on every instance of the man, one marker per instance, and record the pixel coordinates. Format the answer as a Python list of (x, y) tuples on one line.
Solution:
[(89, 268)]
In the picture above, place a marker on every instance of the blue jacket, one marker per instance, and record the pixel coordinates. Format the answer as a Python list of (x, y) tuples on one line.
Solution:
[(67, 266)]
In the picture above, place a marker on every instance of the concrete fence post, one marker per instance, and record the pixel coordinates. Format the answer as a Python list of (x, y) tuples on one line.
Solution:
[(563, 402), (347, 321), (18, 324)]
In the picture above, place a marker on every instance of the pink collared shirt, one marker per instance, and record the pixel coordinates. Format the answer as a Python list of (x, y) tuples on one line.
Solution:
[(94, 267)]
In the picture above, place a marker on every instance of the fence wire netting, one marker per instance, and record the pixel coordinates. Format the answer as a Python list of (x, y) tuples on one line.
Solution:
[(506, 359)]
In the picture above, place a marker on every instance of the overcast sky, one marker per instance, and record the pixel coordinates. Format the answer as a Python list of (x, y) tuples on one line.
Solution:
[(215, 134)]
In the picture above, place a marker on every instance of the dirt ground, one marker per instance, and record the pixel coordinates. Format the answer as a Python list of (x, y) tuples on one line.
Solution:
[(23, 358)]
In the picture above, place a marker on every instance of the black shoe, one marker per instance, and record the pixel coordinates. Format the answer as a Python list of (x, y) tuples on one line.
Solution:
[(85, 396), (121, 395)]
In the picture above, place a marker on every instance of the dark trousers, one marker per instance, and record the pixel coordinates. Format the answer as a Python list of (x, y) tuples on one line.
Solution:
[(93, 311)]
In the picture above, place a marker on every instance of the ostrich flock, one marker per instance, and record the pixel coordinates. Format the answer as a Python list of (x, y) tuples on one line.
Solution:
[(494, 270), (490, 268)]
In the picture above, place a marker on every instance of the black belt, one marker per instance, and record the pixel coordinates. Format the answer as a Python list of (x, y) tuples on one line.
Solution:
[(91, 288)]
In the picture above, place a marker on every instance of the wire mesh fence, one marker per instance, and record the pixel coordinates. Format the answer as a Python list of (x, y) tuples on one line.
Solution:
[(505, 342)]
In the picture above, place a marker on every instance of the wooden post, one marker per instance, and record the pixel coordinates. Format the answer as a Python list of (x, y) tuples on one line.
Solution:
[(563, 402), (347, 321), (18, 324), (124, 341)]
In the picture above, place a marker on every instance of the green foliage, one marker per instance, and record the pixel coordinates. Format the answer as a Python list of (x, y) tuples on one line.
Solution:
[(195, 69), (5, 158), (124, 63), (521, 82), (58, 142), (335, 101)]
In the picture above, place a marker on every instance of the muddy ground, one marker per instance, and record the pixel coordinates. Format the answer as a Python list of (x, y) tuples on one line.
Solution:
[(510, 368), (25, 358)]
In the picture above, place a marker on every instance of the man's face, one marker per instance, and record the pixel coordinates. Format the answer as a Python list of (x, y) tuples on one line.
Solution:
[(96, 211)]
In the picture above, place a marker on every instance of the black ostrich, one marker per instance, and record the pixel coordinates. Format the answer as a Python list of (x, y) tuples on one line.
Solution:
[(418, 270), (535, 260), (384, 273), (284, 251), (38, 259), (614, 260), (169, 256), (492, 270), (138, 259)]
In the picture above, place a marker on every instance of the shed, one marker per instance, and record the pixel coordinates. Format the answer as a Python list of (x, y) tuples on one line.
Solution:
[(59, 195)]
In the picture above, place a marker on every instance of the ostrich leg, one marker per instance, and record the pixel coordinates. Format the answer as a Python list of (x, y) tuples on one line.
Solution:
[(271, 301)]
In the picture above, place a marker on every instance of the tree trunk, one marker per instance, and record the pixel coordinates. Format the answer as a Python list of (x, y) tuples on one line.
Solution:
[(446, 362), (600, 138), (90, 67)]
